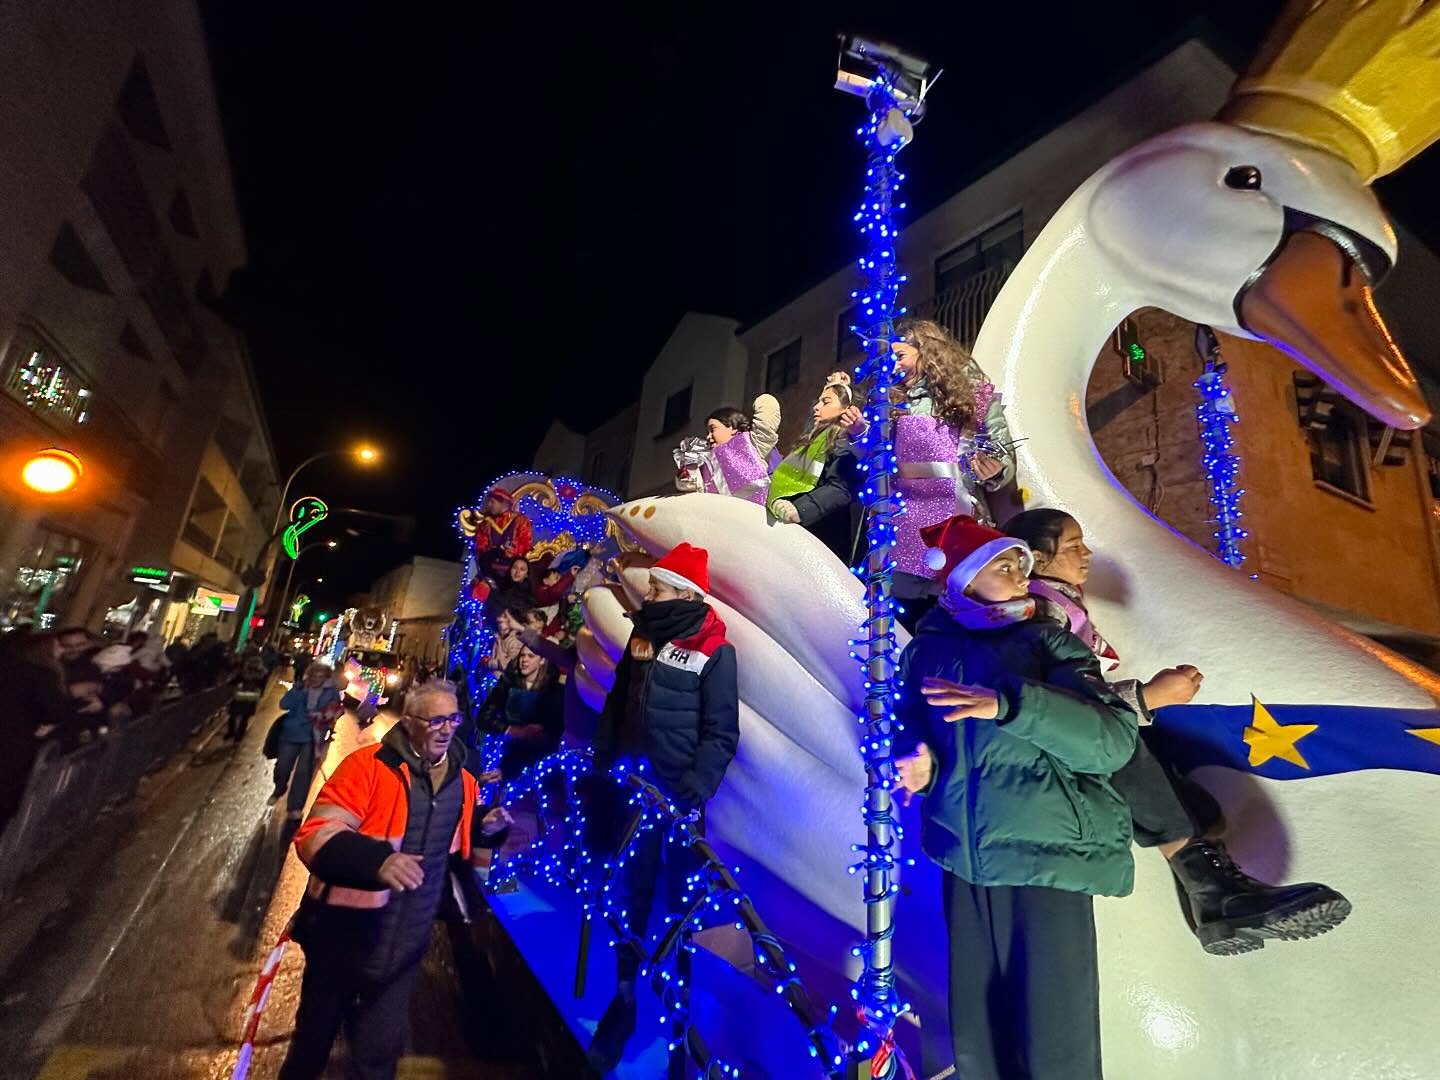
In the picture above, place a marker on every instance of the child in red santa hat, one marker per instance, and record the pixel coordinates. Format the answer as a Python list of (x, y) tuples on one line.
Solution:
[(1010, 731), (674, 711)]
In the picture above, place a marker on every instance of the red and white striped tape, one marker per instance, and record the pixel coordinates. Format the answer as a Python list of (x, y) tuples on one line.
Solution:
[(258, 1000)]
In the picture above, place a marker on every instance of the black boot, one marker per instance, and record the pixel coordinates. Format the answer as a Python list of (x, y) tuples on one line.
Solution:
[(607, 1046), (1232, 913)]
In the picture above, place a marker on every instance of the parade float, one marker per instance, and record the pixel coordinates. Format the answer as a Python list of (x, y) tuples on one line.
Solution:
[(1322, 747)]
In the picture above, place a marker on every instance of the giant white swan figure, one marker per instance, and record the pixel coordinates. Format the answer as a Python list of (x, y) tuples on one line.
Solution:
[(1262, 226)]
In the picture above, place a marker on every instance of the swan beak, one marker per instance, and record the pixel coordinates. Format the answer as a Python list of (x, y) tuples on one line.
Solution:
[(1315, 303)]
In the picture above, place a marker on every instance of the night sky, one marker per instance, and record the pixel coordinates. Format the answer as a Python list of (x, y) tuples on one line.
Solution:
[(464, 225)]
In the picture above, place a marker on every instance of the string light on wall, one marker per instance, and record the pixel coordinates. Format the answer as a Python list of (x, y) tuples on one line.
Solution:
[(1215, 415)]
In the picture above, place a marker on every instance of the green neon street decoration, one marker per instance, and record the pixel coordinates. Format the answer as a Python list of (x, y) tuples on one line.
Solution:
[(305, 514), (298, 607)]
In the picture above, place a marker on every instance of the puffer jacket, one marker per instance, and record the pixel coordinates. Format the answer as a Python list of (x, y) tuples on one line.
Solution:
[(1023, 799), (678, 708)]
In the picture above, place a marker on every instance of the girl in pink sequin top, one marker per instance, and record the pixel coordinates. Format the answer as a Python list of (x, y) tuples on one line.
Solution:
[(952, 443), (734, 457)]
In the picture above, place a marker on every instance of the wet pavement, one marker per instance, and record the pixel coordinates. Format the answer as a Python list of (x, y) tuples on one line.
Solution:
[(134, 953)]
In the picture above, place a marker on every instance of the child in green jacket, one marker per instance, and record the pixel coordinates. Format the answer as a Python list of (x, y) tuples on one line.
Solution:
[(814, 485), (1011, 732)]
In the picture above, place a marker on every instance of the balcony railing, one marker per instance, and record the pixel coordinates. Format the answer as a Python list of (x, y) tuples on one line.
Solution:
[(961, 309)]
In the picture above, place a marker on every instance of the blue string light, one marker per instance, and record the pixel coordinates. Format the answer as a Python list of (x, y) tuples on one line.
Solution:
[(711, 895), (1215, 414), (876, 650)]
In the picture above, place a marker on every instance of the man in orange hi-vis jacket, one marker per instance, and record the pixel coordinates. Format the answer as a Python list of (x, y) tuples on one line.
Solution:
[(379, 842)]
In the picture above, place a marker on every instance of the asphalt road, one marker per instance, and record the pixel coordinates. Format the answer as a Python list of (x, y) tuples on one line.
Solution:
[(135, 952)]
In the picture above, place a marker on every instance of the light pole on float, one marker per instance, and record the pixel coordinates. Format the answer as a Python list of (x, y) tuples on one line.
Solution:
[(893, 86)]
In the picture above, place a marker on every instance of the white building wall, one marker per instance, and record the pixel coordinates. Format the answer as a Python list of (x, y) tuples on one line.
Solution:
[(703, 354)]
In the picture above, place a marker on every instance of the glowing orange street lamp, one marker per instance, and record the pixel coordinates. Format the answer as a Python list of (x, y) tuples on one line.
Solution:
[(51, 471), (367, 454)]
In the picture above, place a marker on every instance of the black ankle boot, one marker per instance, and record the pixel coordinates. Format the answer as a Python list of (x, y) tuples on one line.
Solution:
[(1232, 913), (616, 1027)]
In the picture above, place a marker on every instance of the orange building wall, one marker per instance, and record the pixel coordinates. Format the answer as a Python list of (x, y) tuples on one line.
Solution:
[(1378, 560)]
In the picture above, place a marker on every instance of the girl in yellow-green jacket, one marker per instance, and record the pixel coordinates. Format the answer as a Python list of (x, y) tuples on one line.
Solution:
[(815, 483)]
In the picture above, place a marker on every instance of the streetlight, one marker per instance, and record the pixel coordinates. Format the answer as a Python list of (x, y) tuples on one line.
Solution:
[(365, 454), (51, 471), (329, 545)]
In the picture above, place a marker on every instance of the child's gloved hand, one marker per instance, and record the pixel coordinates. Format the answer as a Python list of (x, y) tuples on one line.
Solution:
[(961, 702), (914, 773)]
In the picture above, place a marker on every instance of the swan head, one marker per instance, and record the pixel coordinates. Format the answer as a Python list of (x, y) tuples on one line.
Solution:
[(1263, 238)]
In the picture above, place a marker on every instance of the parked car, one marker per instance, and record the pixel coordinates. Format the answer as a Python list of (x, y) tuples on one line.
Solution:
[(375, 677)]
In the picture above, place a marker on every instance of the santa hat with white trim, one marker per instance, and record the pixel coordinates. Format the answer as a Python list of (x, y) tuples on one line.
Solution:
[(959, 547), (684, 567)]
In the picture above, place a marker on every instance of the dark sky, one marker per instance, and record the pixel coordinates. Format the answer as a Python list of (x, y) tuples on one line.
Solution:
[(464, 225)]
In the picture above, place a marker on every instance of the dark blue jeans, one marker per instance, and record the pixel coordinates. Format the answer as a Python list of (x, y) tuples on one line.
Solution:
[(299, 759)]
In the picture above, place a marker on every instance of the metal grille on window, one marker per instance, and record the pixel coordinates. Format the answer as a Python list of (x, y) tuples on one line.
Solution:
[(1335, 432)]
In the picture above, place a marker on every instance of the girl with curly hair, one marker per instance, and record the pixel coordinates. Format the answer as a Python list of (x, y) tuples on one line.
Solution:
[(953, 446)]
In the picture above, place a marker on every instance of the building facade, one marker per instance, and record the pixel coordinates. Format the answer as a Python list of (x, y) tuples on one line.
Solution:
[(120, 232), (419, 597)]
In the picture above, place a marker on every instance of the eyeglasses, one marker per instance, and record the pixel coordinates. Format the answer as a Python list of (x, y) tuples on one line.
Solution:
[(454, 719)]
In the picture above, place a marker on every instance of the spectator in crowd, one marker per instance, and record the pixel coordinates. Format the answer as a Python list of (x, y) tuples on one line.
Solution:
[(378, 844), (304, 705), (84, 681), (150, 670), (514, 590), (37, 708), (527, 706), (507, 637), (953, 446), (675, 707), (1229, 911), (249, 680), (814, 485)]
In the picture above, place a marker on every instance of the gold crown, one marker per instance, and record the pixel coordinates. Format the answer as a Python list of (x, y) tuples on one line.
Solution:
[(1359, 78)]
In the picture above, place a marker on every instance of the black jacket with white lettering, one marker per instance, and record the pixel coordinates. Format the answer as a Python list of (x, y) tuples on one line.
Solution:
[(678, 709)]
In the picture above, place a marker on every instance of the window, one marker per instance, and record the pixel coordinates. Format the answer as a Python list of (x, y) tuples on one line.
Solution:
[(782, 368), (1335, 432), (45, 580), (677, 412), (849, 347), (596, 473), (997, 249), (37, 377)]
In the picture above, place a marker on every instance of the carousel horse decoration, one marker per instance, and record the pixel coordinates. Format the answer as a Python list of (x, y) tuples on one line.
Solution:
[(1323, 748)]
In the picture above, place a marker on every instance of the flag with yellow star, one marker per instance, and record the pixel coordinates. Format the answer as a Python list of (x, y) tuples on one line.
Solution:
[(1288, 742)]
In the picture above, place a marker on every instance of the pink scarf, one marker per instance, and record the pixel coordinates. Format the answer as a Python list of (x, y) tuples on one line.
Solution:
[(975, 615), (1066, 604)]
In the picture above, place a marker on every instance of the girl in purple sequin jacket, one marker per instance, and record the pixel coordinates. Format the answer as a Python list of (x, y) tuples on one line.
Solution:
[(734, 457), (952, 442)]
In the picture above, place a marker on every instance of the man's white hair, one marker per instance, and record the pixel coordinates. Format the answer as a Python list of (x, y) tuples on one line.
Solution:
[(428, 689)]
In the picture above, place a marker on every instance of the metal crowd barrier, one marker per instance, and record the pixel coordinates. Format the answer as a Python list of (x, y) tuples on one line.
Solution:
[(67, 790)]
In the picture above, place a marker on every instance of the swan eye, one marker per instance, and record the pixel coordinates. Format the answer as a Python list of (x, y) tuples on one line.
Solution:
[(1243, 178)]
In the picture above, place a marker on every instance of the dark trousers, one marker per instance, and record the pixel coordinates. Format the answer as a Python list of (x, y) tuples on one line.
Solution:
[(1164, 806), (653, 865), (299, 759), (239, 719), (336, 992), (1024, 982)]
